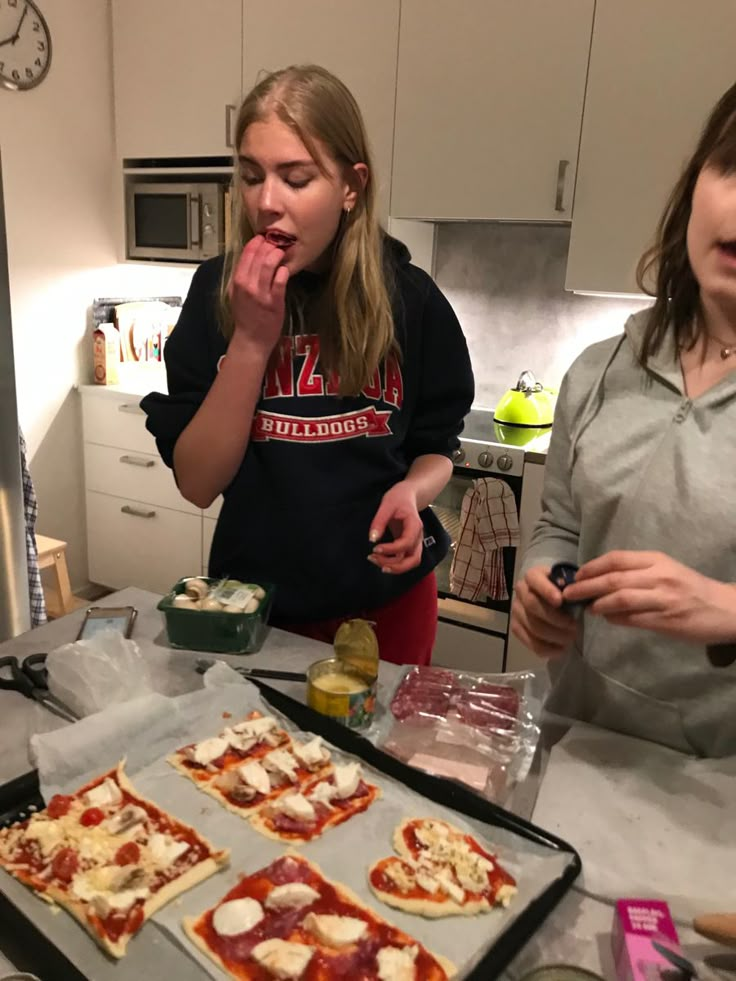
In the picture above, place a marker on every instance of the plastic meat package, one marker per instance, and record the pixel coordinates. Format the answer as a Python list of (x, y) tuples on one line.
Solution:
[(479, 729)]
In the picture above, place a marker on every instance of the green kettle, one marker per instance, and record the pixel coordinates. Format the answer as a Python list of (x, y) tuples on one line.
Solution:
[(528, 404)]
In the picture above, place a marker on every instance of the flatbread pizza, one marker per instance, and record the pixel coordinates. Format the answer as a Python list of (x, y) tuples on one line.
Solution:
[(288, 921), (438, 871), (108, 856)]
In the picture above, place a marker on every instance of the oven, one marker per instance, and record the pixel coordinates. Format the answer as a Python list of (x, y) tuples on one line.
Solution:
[(473, 635)]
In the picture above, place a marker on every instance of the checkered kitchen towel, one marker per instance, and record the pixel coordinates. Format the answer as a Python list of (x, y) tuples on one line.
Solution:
[(489, 522), (35, 589)]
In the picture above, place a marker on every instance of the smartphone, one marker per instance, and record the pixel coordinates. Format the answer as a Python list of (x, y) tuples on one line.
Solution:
[(97, 618)]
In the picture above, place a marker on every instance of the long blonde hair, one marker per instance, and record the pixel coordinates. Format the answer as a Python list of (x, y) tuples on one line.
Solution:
[(355, 323)]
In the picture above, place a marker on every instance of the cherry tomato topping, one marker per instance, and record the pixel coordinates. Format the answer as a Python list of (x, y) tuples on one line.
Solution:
[(128, 854), (91, 817), (65, 864), (59, 806)]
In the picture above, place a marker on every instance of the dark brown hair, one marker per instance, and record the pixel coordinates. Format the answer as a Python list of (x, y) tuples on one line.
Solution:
[(666, 264)]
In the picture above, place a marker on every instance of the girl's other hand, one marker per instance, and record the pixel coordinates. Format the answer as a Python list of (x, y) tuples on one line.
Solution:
[(652, 591), (398, 512), (536, 618)]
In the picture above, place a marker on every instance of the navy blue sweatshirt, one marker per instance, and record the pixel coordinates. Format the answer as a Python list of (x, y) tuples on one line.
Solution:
[(298, 511)]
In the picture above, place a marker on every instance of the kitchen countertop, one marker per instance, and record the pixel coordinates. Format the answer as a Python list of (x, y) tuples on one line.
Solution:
[(576, 932)]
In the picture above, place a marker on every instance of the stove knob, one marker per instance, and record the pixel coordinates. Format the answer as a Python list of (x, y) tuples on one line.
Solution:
[(459, 455), (485, 460), (504, 462)]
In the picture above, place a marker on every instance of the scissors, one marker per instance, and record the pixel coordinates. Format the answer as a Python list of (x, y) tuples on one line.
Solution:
[(31, 679)]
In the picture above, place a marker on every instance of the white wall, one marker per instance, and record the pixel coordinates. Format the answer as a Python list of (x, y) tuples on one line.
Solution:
[(506, 284), (60, 182)]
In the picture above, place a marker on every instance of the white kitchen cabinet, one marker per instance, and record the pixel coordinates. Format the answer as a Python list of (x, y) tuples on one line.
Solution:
[(139, 476), (488, 108), (177, 66), (140, 530), (115, 419), (657, 67), (134, 544), (353, 39)]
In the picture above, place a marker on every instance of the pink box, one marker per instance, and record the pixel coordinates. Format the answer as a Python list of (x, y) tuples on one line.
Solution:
[(636, 923)]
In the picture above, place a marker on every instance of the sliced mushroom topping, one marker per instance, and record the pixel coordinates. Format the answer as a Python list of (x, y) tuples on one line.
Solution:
[(126, 819), (231, 784)]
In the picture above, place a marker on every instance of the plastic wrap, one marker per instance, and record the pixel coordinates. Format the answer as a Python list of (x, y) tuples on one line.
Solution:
[(479, 729), (90, 675)]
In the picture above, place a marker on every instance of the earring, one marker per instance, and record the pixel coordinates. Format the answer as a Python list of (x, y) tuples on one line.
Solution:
[(347, 209)]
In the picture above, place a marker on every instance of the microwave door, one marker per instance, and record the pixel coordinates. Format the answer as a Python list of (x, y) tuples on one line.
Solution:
[(164, 222)]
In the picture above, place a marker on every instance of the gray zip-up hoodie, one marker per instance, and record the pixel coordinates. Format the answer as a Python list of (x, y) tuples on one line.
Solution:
[(635, 464)]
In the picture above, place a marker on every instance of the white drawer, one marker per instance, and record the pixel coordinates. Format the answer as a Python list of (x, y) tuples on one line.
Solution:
[(208, 531), (139, 476), (133, 544), (467, 650), (112, 419)]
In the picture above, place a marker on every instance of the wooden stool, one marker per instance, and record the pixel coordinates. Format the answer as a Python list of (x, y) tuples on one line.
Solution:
[(59, 596)]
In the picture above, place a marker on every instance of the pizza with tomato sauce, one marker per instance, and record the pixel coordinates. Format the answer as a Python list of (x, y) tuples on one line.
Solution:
[(251, 739), (108, 856), (440, 871), (248, 787), (288, 921), (308, 811)]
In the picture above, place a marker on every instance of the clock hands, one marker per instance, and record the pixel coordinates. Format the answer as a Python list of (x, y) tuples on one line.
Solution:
[(20, 23), (16, 34)]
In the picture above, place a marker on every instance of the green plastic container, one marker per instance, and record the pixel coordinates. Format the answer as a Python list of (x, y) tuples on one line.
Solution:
[(214, 632)]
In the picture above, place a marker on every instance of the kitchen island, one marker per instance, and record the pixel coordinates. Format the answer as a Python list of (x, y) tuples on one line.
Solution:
[(578, 930)]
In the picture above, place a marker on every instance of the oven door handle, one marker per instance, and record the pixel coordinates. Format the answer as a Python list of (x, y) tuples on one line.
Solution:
[(195, 212)]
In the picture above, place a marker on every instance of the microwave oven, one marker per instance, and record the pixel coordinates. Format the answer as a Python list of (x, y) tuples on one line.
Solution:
[(175, 220)]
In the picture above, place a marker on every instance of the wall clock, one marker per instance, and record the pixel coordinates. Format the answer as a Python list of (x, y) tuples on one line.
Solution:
[(25, 45)]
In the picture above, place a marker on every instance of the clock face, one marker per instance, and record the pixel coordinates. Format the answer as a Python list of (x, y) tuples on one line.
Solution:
[(25, 44)]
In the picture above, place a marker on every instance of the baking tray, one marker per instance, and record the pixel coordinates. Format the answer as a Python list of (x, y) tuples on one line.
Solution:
[(48, 962)]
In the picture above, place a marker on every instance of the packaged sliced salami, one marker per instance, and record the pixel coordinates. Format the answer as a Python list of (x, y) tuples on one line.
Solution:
[(479, 729)]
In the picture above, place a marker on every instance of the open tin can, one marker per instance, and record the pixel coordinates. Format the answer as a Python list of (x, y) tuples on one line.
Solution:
[(340, 690)]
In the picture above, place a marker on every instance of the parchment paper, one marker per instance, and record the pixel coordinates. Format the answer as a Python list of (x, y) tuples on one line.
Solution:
[(647, 821), (343, 853)]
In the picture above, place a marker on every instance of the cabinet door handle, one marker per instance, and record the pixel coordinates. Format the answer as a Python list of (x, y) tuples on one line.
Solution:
[(137, 461), (137, 512), (133, 409), (229, 110), (561, 176)]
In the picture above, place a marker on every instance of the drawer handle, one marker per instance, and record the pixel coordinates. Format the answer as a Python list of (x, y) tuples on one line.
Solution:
[(134, 409), (137, 512), (561, 176), (137, 461)]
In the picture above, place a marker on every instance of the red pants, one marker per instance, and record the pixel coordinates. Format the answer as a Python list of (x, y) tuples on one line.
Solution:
[(405, 627)]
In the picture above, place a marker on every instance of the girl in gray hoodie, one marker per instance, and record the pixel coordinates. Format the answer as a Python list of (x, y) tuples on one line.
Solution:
[(640, 489)]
